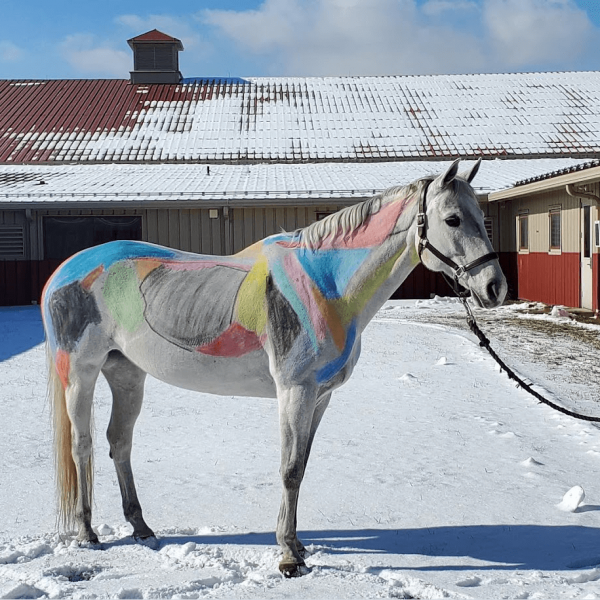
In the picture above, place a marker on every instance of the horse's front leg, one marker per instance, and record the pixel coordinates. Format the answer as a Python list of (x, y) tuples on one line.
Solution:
[(296, 409)]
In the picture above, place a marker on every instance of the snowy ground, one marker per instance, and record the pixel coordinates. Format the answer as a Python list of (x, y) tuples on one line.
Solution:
[(432, 476)]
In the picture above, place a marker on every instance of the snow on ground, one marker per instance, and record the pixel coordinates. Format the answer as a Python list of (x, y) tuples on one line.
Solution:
[(432, 476)]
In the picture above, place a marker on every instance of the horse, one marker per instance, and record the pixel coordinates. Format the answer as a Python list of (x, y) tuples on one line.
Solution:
[(281, 319)]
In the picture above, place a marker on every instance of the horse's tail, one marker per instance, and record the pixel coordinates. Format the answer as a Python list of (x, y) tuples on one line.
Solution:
[(66, 473)]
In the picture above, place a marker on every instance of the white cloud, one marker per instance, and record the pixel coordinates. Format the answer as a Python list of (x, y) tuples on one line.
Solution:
[(343, 37), (10, 52), (435, 8), (537, 32), (373, 37), (86, 55)]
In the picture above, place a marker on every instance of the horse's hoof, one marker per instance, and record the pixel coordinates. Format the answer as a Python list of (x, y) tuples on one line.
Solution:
[(88, 540), (149, 541), (291, 569)]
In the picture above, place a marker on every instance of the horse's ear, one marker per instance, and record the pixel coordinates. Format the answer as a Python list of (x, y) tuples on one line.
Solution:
[(470, 174), (449, 175)]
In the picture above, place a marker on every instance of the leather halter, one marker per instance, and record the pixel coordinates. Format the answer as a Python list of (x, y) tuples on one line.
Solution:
[(424, 243)]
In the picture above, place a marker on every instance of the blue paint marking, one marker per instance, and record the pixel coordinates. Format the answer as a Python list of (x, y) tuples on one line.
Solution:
[(288, 291), (331, 270), (335, 366), (87, 260)]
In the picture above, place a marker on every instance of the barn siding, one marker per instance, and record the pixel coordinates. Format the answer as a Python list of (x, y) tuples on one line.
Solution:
[(539, 273), (189, 229), (548, 278)]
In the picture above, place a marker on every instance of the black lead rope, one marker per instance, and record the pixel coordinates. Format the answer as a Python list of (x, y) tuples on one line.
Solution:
[(484, 342), (462, 293)]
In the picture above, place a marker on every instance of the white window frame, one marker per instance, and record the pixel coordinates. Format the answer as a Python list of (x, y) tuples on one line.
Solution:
[(553, 210), (520, 218)]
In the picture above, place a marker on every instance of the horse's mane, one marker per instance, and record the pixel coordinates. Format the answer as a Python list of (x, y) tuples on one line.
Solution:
[(348, 220)]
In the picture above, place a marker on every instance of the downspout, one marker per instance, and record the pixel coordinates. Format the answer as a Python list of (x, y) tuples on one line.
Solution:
[(576, 192)]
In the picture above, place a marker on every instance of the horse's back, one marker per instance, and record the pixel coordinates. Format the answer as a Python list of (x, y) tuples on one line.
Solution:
[(172, 313)]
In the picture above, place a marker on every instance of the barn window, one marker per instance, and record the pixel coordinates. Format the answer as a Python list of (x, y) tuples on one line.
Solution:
[(64, 236), (322, 214), (12, 241), (523, 234), (554, 218)]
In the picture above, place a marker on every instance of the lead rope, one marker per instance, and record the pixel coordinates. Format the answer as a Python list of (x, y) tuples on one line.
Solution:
[(484, 342)]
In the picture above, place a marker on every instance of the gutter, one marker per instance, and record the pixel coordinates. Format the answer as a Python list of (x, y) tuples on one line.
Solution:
[(576, 192), (579, 177)]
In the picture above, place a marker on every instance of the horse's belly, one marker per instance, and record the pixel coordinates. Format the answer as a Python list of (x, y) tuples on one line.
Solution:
[(246, 375)]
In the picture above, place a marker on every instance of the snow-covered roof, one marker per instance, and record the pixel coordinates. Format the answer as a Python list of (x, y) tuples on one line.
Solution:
[(261, 119), (241, 184)]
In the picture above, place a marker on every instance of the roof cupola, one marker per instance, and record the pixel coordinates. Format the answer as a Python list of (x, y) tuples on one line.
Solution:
[(155, 58)]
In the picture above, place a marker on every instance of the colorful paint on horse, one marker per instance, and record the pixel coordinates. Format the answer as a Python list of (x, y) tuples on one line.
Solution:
[(121, 292), (235, 341), (62, 366), (281, 319), (250, 308), (87, 261)]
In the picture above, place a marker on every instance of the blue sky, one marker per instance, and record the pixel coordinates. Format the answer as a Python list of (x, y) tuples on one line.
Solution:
[(67, 39)]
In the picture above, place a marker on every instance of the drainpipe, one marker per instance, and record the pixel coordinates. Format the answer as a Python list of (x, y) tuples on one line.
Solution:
[(576, 192)]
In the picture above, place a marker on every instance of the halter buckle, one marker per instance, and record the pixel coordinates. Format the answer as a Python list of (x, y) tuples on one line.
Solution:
[(459, 271)]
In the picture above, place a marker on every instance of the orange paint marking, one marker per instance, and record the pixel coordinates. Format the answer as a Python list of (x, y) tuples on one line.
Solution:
[(88, 281), (63, 364), (332, 318), (145, 266)]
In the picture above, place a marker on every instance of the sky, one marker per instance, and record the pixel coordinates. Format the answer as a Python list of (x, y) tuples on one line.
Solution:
[(63, 39)]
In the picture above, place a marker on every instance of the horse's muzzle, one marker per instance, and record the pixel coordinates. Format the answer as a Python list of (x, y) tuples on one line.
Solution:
[(495, 292)]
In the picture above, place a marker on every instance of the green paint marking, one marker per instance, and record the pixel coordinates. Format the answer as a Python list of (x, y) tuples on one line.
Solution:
[(122, 295), (350, 306)]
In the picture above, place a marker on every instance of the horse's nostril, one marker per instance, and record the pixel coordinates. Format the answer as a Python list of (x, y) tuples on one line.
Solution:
[(492, 289)]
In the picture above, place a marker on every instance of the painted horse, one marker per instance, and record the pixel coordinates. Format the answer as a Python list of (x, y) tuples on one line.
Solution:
[(281, 319)]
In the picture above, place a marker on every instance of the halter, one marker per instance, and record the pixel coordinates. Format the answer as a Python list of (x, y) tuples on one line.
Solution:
[(458, 270)]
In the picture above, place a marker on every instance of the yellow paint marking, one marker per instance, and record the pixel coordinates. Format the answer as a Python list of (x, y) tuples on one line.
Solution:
[(251, 310)]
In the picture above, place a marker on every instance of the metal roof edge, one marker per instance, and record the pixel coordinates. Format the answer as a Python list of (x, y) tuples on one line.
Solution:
[(578, 177)]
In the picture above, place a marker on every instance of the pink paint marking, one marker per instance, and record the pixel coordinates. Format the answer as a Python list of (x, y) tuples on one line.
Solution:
[(303, 286), (235, 341), (371, 233)]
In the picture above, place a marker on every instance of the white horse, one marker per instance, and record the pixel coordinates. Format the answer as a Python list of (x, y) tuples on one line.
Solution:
[(281, 319)]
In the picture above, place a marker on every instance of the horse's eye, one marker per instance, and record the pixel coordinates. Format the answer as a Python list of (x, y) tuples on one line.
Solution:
[(453, 221)]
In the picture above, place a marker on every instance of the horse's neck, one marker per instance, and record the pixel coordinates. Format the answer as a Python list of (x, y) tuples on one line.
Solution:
[(369, 276)]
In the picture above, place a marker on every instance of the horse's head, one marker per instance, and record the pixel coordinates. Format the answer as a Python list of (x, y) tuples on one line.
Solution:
[(450, 236)]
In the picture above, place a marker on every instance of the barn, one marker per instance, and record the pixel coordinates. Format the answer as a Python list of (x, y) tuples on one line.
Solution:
[(552, 235), (212, 165)]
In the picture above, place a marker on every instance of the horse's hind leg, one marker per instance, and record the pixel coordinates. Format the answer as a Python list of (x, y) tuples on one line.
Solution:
[(79, 395), (126, 382)]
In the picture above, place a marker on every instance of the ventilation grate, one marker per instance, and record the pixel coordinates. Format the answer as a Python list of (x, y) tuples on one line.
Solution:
[(489, 228), (12, 241)]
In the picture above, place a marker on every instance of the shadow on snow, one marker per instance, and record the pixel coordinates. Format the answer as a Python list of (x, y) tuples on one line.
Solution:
[(20, 330), (506, 546)]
